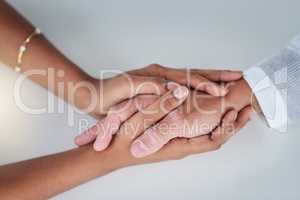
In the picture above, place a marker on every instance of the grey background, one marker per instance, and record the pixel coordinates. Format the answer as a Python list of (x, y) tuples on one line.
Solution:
[(256, 164)]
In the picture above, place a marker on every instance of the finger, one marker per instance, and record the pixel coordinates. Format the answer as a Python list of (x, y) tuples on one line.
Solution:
[(135, 85), (243, 117), (88, 135), (179, 148), (182, 147), (180, 74), (148, 85), (154, 138), (175, 149), (206, 143), (199, 144), (229, 126), (157, 136), (198, 79), (103, 130), (201, 83), (142, 120), (172, 85), (117, 116), (104, 136), (110, 124), (220, 75), (227, 122), (131, 86)]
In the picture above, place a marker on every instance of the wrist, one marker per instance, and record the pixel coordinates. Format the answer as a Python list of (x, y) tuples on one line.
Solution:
[(85, 95), (122, 156), (105, 161)]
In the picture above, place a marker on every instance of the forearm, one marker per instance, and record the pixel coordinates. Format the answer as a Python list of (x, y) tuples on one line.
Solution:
[(47, 176), (40, 55)]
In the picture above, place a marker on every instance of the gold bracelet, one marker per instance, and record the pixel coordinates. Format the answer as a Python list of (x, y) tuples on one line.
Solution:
[(23, 48)]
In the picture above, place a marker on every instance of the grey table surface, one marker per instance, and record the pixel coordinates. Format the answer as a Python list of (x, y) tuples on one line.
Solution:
[(256, 164)]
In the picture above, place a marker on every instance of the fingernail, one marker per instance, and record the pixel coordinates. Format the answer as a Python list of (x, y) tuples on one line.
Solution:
[(138, 149), (181, 92), (172, 85)]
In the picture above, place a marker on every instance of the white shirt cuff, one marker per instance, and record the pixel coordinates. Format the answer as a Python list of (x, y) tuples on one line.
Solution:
[(270, 99)]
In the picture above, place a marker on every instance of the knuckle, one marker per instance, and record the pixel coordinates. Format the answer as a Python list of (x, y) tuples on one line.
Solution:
[(154, 66), (157, 68)]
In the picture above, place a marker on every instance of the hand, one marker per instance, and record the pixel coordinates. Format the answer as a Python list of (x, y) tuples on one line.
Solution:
[(198, 79), (185, 119), (177, 148), (114, 90), (142, 120), (150, 80), (197, 116)]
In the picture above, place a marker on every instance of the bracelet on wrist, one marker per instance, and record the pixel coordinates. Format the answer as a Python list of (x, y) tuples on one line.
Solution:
[(23, 49)]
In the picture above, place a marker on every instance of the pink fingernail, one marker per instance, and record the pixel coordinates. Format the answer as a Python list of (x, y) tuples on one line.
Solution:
[(172, 85), (181, 92), (138, 149)]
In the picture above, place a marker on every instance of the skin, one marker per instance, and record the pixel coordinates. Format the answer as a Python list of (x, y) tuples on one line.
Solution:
[(42, 55), (199, 115), (53, 174)]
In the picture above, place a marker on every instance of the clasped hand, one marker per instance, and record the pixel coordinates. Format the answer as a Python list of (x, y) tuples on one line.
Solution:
[(154, 120)]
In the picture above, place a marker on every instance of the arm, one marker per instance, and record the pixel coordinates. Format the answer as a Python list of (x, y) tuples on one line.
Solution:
[(41, 178), (42, 55), (79, 88), (44, 177)]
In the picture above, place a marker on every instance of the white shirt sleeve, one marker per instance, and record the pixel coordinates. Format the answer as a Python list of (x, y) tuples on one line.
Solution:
[(275, 83)]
